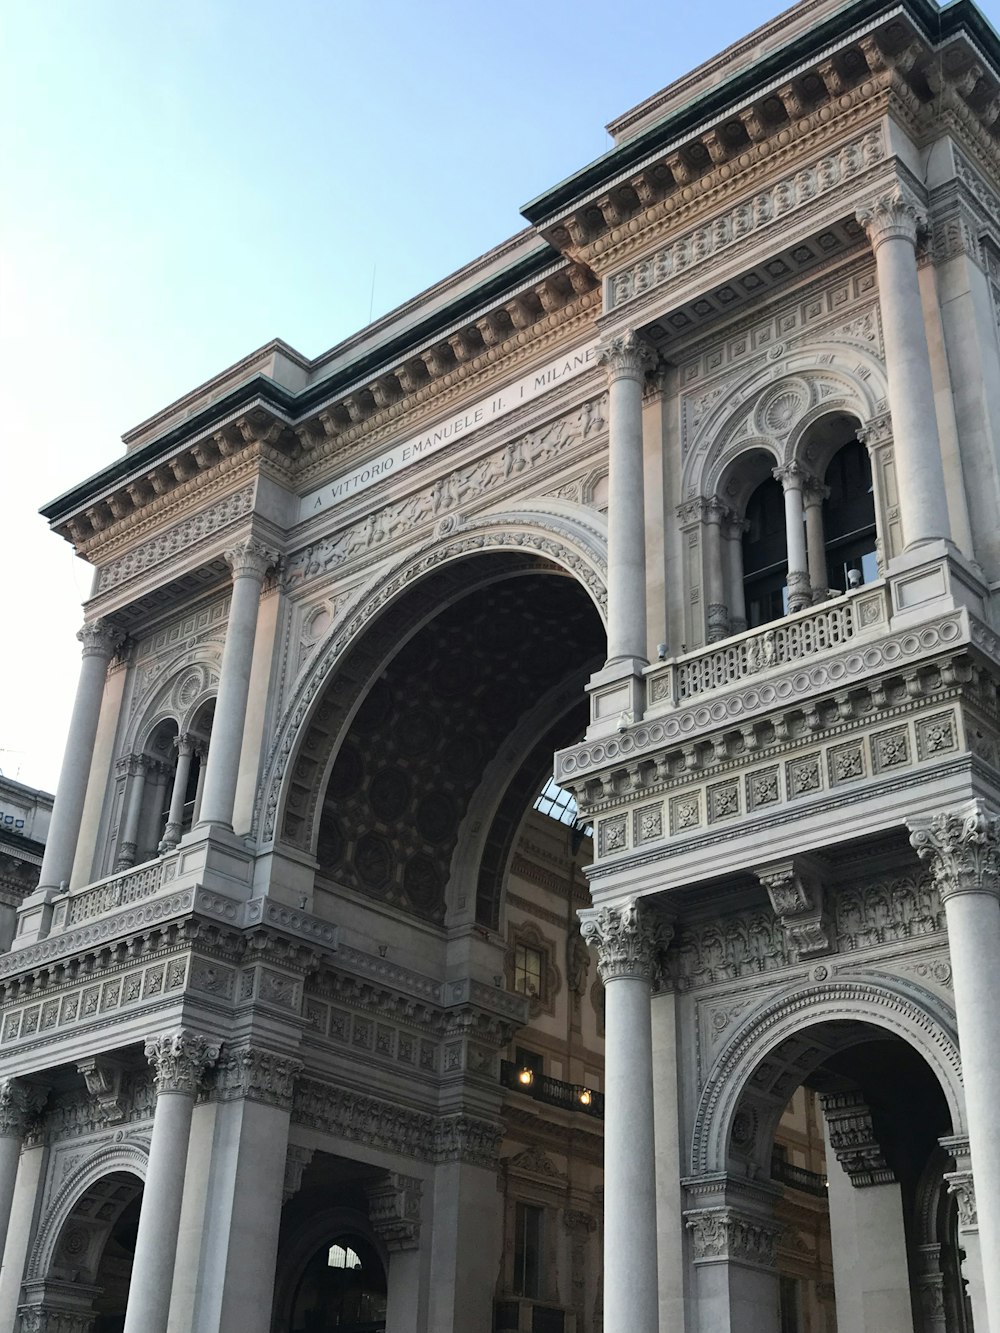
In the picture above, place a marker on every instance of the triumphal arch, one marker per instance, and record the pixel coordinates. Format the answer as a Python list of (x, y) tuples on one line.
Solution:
[(341, 1003)]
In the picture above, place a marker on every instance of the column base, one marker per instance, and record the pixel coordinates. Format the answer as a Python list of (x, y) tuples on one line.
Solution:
[(932, 579), (213, 857), (617, 696), (34, 918)]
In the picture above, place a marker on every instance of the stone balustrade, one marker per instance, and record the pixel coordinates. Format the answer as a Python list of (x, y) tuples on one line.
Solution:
[(806, 634), (79, 905)]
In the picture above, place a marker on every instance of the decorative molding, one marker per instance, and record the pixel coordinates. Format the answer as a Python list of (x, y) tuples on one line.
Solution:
[(103, 1077), (893, 216), (394, 1206), (628, 940), (250, 559), (99, 638), (727, 229), (796, 896), (180, 1059), (961, 848), (20, 1105), (185, 534), (853, 1139), (256, 1075), (626, 356), (725, 1235), (296, 1161)]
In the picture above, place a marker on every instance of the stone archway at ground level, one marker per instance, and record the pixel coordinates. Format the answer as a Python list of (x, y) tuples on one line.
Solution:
[(885, 1070), (81, 1267)]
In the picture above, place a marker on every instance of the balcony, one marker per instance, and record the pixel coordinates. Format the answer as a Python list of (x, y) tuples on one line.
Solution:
[(552, 1091), (852, 618), (798, 1178)]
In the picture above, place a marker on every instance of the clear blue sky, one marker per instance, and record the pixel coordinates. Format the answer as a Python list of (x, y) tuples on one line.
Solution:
[(183, 181)]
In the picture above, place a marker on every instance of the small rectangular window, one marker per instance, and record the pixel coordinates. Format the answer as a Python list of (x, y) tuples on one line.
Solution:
[(528, 963), (528, 1249)]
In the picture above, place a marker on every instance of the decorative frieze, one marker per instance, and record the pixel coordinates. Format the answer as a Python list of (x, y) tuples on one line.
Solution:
[(779, 202), (853, 1139), (179, 1060), (253, 1074), (725, 1235), (628, 940), (394, 1210)]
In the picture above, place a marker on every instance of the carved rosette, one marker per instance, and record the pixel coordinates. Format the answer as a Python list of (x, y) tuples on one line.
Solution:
[(394, 1210), (99, 638), (961, 849), (629, 940), (250, 559), (725, 1235), (893, 216), (257, 1075), (626, 357), (179, 1059), (20, 1104)]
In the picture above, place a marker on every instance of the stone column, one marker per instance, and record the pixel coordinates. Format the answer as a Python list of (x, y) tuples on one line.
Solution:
[(199, 791), (628, 939), (792, 477), (239, 1244), (30, 1178), (20, 1102), (813, 495), (134, 767), (962, 850), (98, 639), (394, 1208), (891, 222), (716, 609), (960, 1185), (179, 1059), (184, 745), (733, 532), (249, 561), (627, 358)]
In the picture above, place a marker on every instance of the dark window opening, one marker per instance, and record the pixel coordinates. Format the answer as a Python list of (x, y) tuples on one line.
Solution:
[(765, 558), (528, 1249)]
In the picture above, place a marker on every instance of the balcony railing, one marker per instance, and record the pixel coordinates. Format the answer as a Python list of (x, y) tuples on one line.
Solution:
[(128, 886), (808, 1182), (552, 1091), (806, 634)]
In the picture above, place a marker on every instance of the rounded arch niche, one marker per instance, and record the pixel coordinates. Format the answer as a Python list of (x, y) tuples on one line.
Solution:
[(779, 1046), (415, 697)]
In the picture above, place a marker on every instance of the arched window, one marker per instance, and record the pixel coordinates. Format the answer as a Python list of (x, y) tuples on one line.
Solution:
[(343, 1289), (849, 516), (765, 555)]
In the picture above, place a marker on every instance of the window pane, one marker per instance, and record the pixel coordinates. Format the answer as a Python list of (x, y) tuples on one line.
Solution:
[(527, 1250)]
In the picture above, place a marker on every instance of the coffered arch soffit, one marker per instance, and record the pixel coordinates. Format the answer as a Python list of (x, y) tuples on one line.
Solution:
[(563, 538), (772, 408), (178, 692), (788, 1032), (109, 1180)]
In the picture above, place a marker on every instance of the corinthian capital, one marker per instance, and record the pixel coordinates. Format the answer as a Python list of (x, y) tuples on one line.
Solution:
[(792, 476), (258, 1076), (20, 1102), (251, 559), (628, 940), (626, 356), (179, 1059), (99, 638), (961, 849), (892, 216)]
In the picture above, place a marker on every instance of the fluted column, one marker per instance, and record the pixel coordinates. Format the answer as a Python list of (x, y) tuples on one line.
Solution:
[(733, 531), (179, 1059), (626, 358), (20, 1102), (716, 609), (791, 477), (184, 744), (962, 851), (813, 495), (249, 561), (98, 639), (628, 940), (891, 222), (134, 767)]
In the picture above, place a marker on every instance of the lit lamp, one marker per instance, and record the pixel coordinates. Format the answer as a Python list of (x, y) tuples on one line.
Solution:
[(586, 1096), (525, 1077)]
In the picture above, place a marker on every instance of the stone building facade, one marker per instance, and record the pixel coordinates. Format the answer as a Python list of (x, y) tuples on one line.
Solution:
[(693, 483)]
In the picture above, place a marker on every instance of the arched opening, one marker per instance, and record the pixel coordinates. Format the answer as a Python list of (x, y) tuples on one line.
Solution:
[(765, 559), (438, 724), (342, 1288), (846, 1119), (90, 1269), (849, 518)]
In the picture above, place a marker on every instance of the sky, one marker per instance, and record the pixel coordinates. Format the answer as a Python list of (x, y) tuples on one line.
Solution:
[(181, 182)]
